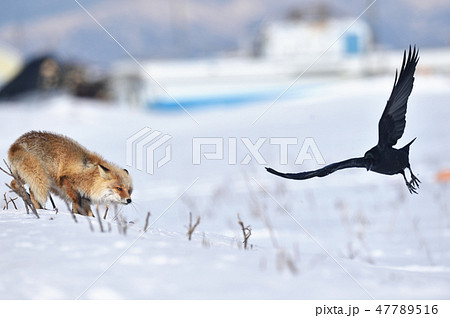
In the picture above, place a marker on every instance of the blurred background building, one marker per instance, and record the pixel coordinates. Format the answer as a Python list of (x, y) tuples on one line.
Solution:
[(213, 52)]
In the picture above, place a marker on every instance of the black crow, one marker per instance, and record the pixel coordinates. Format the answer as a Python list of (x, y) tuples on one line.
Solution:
[(382, 158)]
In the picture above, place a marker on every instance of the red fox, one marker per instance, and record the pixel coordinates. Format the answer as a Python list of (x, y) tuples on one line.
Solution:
[(49, 162)]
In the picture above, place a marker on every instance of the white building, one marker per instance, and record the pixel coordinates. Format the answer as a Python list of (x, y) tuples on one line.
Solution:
[(296, 39), (287, 49)]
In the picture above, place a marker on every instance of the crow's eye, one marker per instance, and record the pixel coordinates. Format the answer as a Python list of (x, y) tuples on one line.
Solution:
[(119, 189)]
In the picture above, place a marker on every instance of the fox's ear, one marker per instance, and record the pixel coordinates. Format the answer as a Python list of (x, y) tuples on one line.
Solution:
[(126, 171), (104, 172)]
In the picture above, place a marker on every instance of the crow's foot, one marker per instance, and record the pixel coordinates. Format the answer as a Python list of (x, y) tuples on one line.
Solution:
[(413, 185), (415, 181)]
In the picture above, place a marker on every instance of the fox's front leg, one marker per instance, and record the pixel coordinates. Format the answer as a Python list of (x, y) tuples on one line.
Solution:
[(85, 205), (79, 204)]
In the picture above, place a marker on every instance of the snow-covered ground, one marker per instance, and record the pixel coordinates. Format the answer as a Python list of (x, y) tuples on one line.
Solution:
[(353, 234)]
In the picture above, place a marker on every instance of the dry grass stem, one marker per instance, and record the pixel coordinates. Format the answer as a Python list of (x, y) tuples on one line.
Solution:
[(106, 212), (99, 220), (192, 227), (246, 231), (146, 221)]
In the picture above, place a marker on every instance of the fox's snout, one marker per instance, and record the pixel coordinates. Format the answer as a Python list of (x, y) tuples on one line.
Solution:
[(113, 196), (121, 195), (125, 201)]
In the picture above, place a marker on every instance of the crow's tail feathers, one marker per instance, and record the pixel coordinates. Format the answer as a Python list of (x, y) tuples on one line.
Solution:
[(406, 148)]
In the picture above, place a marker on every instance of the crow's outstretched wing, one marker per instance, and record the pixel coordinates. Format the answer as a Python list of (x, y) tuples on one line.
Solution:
[(350, 163), (393, 121)]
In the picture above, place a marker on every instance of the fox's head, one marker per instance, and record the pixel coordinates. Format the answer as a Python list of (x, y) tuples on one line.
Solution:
[(115, 184)]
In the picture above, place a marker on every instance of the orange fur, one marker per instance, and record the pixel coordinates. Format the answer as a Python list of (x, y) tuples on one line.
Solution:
[(49, 162)]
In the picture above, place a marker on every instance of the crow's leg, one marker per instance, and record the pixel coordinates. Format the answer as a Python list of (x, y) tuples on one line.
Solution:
[(414, 180), (411, 187)]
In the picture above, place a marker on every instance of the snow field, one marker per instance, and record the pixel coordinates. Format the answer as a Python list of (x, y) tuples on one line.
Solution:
[(351, 235)]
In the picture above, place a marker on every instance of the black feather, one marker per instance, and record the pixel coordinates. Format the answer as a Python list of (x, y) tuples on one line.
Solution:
[(393, 120), (349, 163)]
